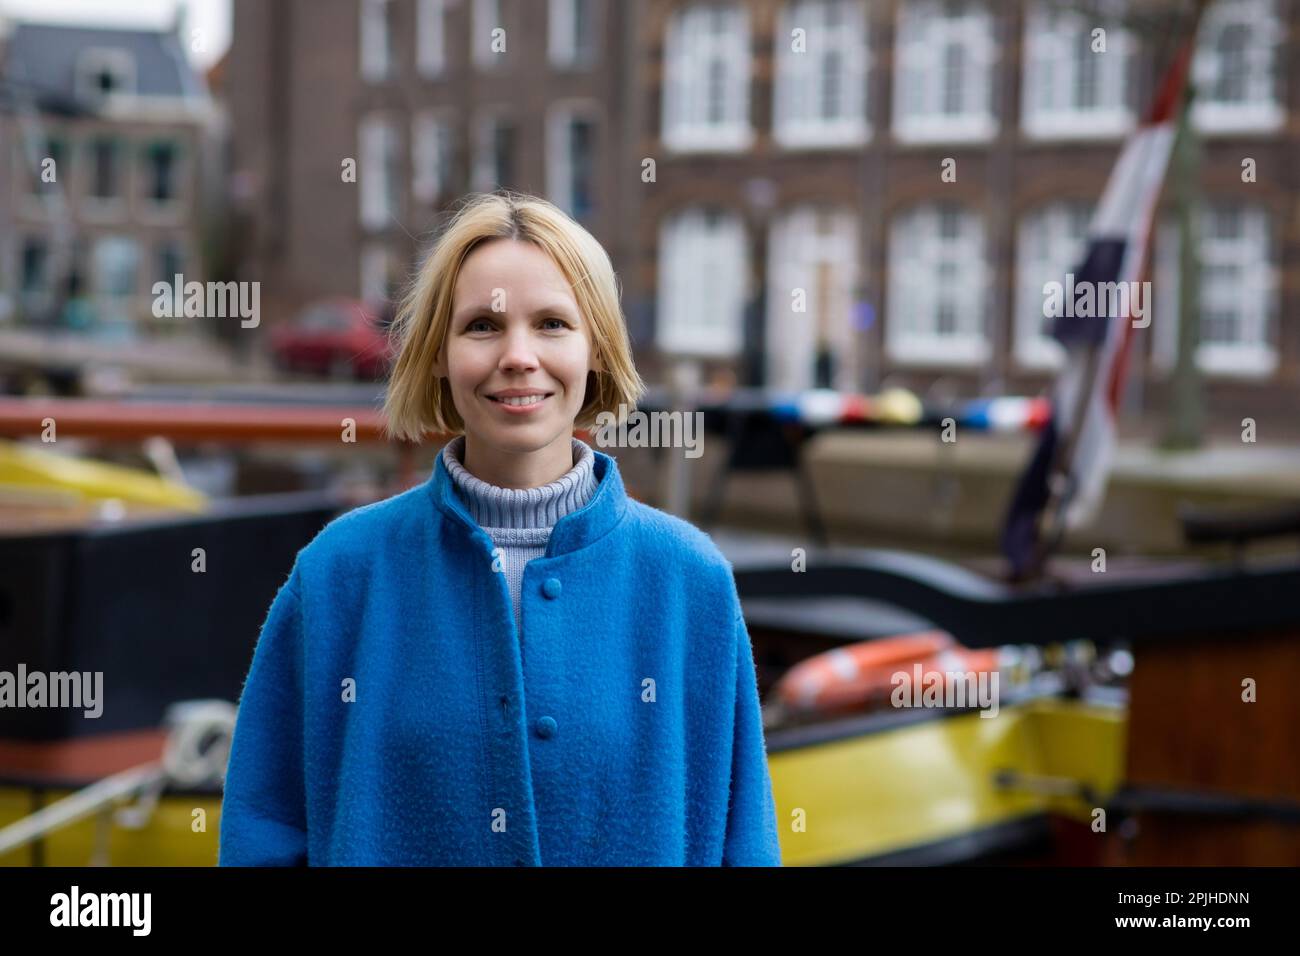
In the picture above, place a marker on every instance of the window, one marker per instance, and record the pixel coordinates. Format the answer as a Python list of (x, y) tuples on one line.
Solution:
[(55, 148), (1239, 290), (706, 79), (35, 298), (936, 287), (1235, 68), (1069, 88), (703, 272), (116, 263), (76, 281), (944, 55), (494, 164), (570, 164), (820, 91), (161, 162), (376, 40), (35, 269), (103, 72), (377, 173), (1052, 243), (105, 168), (430, 158), (572, 35), (487, 20), (810, 342), (171, 261), (431, 37)]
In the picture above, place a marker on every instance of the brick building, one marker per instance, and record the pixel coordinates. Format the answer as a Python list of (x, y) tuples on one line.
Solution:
[(397, 86), (104, 143), (819, 174), (768, 175)]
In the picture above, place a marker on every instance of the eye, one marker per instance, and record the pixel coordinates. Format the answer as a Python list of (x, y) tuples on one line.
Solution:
[(474, 322), (562, 323)]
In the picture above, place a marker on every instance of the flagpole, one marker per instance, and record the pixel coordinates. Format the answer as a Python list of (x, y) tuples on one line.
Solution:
[(1183, 426)]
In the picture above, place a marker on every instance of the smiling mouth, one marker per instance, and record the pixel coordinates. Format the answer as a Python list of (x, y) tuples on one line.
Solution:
[(522, 402)]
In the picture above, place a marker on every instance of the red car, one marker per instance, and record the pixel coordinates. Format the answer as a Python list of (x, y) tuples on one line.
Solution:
[(341, 338)]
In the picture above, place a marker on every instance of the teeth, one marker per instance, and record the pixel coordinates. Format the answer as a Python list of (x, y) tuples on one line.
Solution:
[(523, 400)]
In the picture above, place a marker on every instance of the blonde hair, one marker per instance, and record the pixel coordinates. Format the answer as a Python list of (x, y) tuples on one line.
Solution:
[(417, 401)]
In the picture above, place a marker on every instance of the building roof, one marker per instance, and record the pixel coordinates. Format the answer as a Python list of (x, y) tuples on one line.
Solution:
[(45, 58)]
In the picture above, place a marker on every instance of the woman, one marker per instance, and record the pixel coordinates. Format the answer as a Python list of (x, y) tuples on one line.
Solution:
[(512, 663)]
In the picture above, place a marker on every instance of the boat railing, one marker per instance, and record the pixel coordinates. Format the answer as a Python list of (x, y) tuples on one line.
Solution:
[(198, 743), (234, 423)]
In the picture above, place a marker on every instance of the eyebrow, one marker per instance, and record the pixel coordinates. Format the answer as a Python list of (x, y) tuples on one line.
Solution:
[(476, 310)]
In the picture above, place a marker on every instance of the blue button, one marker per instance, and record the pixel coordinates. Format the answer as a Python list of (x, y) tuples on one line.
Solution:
[(551, 588), (546, 727)]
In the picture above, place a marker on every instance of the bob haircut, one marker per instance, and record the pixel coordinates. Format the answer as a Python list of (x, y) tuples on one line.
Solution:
[(417, 401)]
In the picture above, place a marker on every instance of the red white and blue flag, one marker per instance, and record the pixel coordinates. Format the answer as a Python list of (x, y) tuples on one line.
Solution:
[(1071, 464)]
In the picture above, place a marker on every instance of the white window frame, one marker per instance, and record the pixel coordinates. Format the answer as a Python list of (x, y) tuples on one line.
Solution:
[(431, 38), (377, 146), (1252, 256), (922, 35), (692, 46), (1255, 357), (562, 50), (702, 284), (376, 39), (916, 250), (1053, 38), (800, 76), (431, 153), (1263, 110), (801, 241), (1047, 249), (559, 158)]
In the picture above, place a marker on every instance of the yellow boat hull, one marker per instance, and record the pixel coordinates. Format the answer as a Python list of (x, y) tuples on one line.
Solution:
[(171, 837), (871, 795)]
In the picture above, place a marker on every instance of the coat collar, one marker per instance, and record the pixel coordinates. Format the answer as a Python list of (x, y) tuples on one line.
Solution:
[(603, 510)]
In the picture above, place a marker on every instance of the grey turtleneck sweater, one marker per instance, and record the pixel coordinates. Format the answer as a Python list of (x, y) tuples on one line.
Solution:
[(519, 520)]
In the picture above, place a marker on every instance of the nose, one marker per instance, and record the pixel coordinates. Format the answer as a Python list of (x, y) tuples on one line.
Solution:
[(518, 353)]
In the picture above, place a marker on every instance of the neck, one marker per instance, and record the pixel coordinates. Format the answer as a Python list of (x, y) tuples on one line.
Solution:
[(518, 471), (539, 507)]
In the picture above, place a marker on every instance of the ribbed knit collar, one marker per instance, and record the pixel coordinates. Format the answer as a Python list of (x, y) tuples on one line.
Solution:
[(495, 507), (575, 531)]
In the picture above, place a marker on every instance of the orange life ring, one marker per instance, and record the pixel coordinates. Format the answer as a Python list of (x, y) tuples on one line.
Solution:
[(861, 676)]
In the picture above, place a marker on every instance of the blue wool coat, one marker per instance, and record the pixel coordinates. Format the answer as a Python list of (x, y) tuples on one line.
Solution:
[(392, 715)]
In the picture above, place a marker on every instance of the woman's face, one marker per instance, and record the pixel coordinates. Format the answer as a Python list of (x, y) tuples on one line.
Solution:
[(515, 325)]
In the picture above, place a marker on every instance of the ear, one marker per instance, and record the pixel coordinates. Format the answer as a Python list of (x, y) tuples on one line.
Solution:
[(438, 367)]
